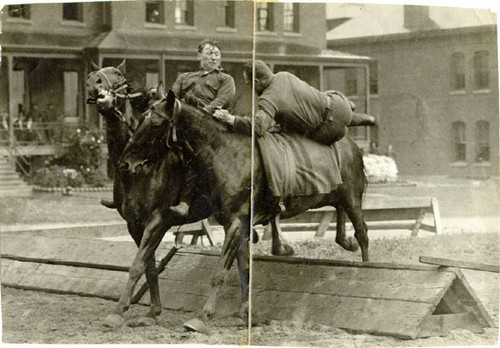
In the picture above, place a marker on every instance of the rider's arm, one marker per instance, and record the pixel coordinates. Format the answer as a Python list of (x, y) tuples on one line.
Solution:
[(177, 87), (264, 120), (225, 94)]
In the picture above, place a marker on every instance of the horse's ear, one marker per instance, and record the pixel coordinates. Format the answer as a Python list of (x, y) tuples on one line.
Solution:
[(170, 100), (160, 91), (95, 66), (121, 67)]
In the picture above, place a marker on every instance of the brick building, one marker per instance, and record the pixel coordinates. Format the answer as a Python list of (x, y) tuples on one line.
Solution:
[(434, 83), (47, 50)]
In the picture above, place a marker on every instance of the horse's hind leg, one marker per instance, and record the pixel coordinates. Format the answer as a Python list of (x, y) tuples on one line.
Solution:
[(352, 206), (280, 246), (347, 243), (235, 235)]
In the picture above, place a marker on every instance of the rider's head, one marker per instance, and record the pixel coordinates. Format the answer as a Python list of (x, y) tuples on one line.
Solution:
[(209, 54), (262, 78)]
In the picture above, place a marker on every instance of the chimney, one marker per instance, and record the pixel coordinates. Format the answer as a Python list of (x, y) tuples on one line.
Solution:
[(417, 18)]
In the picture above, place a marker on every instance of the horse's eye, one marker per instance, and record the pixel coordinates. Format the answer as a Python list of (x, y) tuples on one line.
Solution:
[(99, 81)]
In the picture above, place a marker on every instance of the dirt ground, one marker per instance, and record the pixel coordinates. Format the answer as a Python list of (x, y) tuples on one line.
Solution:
[(37, 317), (43, 318)]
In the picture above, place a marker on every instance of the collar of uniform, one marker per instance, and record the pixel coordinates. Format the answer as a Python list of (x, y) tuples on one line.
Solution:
[(205, 72)]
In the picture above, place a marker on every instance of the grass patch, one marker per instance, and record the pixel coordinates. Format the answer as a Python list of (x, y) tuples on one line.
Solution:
[(54, 208)]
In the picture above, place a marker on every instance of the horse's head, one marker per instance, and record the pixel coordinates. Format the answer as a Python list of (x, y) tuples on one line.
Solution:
[(153, 134), (103, 86)]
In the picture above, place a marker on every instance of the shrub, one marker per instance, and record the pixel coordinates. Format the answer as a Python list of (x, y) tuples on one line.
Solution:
[(380, 168), (94, 177), (57, 176)]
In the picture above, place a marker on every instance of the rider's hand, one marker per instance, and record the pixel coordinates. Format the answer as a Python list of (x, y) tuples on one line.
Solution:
[(191, 99), (224, 116)]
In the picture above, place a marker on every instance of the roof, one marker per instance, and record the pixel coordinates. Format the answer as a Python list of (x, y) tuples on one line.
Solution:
[(370, 20), (22, 41)]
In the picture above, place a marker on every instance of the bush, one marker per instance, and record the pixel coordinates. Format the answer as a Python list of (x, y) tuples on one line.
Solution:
[(78, 165), (94, 177), (380, 168), (57, 176)]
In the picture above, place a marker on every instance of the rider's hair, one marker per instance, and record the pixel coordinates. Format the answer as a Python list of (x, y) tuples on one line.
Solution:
[(209, 41), (262, 71)]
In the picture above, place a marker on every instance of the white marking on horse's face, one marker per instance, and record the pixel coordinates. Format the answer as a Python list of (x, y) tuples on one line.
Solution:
[(105, 100)]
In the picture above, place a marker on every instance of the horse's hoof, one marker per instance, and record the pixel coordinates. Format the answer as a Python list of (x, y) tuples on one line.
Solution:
[(196, 325), (353, 244), (285, 250), (141, 321), (114, 320)]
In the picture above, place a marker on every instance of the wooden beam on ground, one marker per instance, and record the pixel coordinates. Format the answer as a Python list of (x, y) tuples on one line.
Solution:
[(459, 264)]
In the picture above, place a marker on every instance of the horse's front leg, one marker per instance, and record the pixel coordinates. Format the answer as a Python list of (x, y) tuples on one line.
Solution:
[(153, 233), (230, 249)]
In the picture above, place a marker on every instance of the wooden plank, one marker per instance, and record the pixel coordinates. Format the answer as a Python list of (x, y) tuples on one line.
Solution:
[(465, 293), (396, 318), (64, 279), (375, 289), (323, 225), (436, 215), (418, 222), (441, 325), (459, 264), (76, 250)]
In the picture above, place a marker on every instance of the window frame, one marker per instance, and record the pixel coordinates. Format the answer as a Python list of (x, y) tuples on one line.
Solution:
[(295, 16), (187, 13), (459, 141), (482, 70), (229, 14), (457, 72), (23, 9), (79, 11), (161, 12), (482, 131), (351, 82), (268, 7)]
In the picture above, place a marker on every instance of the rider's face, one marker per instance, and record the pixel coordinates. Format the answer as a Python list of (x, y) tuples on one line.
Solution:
[(209, 57)]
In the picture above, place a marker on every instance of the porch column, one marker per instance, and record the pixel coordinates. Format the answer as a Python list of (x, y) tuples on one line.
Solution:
[(12, 107), (161, 71)]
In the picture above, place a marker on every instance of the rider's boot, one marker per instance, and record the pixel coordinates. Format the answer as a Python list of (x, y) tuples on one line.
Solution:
[(359, 119), (182, 209), (109, 204)]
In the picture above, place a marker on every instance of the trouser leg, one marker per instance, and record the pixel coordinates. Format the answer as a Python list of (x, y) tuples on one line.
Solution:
[(182, 209)]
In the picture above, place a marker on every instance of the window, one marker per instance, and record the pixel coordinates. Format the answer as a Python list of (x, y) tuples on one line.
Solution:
[(457, 82), (70, 94), (351, 82), (19, 11), (481, 70), (459, 141), (154, 12), (374, 78), (229, 14), (184, 12), (264, 16), (482, 141), (72, 12), (291, 17)]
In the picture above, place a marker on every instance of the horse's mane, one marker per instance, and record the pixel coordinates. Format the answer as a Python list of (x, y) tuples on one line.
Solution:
[(203, 123)]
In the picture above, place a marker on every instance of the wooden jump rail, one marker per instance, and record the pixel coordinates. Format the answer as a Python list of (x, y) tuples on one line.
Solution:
[(404, 301), (380, 213)]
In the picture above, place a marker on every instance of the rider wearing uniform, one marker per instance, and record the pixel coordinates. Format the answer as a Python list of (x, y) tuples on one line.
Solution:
[(296, 106), (208, 88)]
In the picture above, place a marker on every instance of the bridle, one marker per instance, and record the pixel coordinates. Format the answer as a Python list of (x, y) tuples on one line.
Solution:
[(118, 90)]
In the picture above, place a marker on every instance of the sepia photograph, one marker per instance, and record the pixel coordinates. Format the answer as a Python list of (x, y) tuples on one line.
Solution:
[(249, 173)]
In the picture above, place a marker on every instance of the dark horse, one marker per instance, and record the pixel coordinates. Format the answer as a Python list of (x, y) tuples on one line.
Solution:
[(223, 161), (140, 200)]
